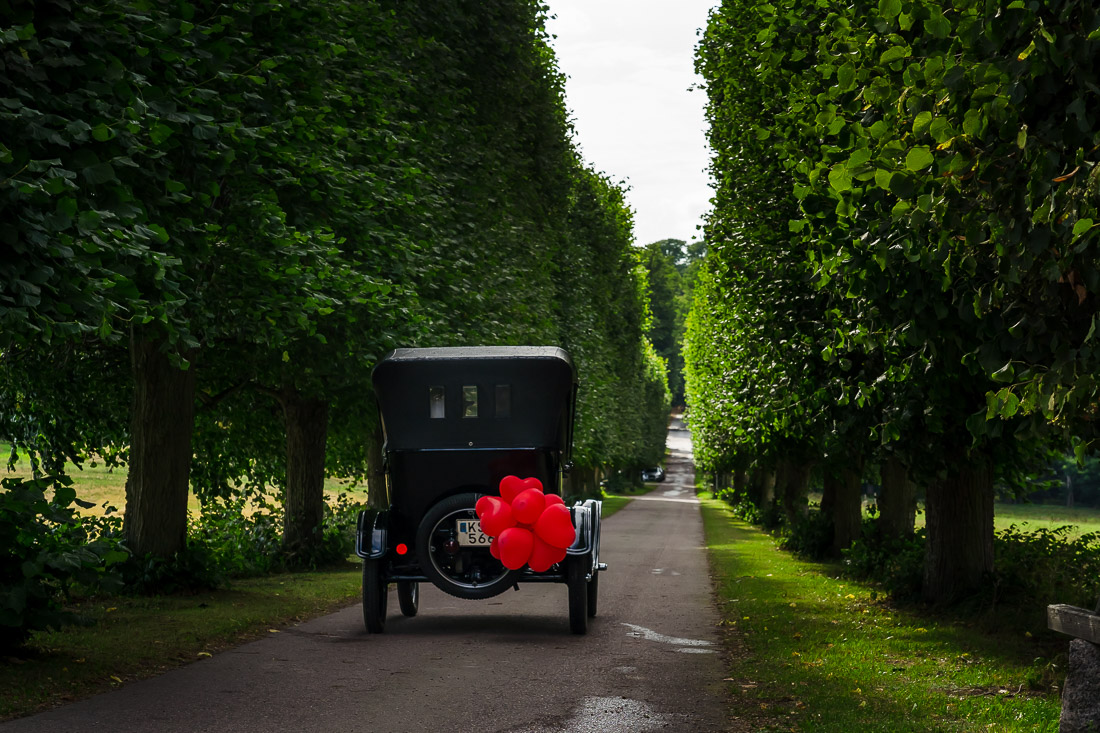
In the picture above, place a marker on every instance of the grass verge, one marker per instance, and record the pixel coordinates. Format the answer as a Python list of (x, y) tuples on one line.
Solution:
[(614, 502), (816, 652), (129, 638)]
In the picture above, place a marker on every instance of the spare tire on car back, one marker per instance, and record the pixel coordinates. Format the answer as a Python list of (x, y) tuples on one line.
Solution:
[(460, 569)]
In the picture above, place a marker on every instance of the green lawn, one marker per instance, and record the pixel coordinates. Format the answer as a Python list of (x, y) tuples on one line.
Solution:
[(129, 637), (813, 652), (1032, 516), (106, 486)]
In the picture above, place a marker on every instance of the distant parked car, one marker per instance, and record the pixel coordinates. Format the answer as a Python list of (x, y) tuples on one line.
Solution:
[(653, 474)]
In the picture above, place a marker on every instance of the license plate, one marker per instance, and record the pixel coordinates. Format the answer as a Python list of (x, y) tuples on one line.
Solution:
[(470, 534)]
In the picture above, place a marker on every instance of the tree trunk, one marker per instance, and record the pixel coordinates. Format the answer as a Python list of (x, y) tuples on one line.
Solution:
[(1069, 490), (828, 495), (584, 481), (896, 500), (161, 423), (845, 506), (767, 489), (795, 489), (740, 483), (306, 434), (378, 490), (960, 531)]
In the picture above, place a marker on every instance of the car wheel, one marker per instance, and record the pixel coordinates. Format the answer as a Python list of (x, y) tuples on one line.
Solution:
[(374, 597), (576, 571), (408, 596), (593, 593), (462, 571)]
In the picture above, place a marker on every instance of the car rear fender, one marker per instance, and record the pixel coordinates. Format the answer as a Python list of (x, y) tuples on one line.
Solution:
[(371, 534)]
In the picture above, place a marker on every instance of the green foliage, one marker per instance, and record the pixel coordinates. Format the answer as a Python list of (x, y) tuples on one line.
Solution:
[(232, 539), (46, 549), (895, 564), (809, 536), (275, 195), (898, 255), (1044, 566), (664, 261)]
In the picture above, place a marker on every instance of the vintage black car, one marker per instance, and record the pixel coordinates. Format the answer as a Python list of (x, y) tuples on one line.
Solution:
[(456, 421)]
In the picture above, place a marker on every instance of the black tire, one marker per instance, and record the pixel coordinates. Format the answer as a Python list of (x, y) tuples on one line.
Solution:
[(470, 573), (374, 597), (576, 572), (408, 596), (593, 593)]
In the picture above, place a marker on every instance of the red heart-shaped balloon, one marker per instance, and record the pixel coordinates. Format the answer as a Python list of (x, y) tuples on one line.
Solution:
[(493, 549), (554, 499), (543, 556), (515, 545), (495, 515), (528, 506), (555, 526), (532, 483), (510, 486)]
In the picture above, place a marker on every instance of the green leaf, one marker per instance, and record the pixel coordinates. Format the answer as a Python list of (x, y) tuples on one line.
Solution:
[(902, 185), (972, 122), (840, 178), (102, 133), (919, 158), (1082, 226), (1021, 138), (940, 130), (159, 133), (894, 53), (889, 8), (1004, 374), (846, 76), (99, 173), (921, 122), (937, 26)]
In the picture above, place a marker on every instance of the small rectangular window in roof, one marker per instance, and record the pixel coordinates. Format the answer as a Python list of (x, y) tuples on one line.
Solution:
[(435, 402), (469, 401), (503, 402)]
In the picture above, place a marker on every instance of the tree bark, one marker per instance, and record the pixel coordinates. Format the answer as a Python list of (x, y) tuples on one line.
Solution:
[(761, 489), (845, 506), (896, 500), (794, 490), (161, 423), (378, 490), (740, 483), (960, 531), (584, 481), (306, 435)]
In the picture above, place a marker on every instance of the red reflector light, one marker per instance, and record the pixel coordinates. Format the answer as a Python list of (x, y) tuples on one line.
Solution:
[(402, 549)]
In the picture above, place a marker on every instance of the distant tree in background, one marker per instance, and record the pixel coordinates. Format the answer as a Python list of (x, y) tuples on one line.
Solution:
[(672, 266)]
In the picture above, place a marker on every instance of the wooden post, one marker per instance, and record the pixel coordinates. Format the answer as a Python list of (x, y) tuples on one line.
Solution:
[(1081, 695)]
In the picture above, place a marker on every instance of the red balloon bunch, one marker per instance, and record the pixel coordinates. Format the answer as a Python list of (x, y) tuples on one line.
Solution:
[(528, 527)]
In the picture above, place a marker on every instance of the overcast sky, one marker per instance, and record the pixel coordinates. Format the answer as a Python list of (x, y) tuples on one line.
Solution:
[(629, 65)]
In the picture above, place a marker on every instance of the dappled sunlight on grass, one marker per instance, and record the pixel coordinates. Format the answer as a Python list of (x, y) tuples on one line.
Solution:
[(825, 653)]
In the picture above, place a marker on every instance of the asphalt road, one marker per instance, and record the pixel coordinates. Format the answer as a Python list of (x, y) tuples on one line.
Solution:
[(651, 661)]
